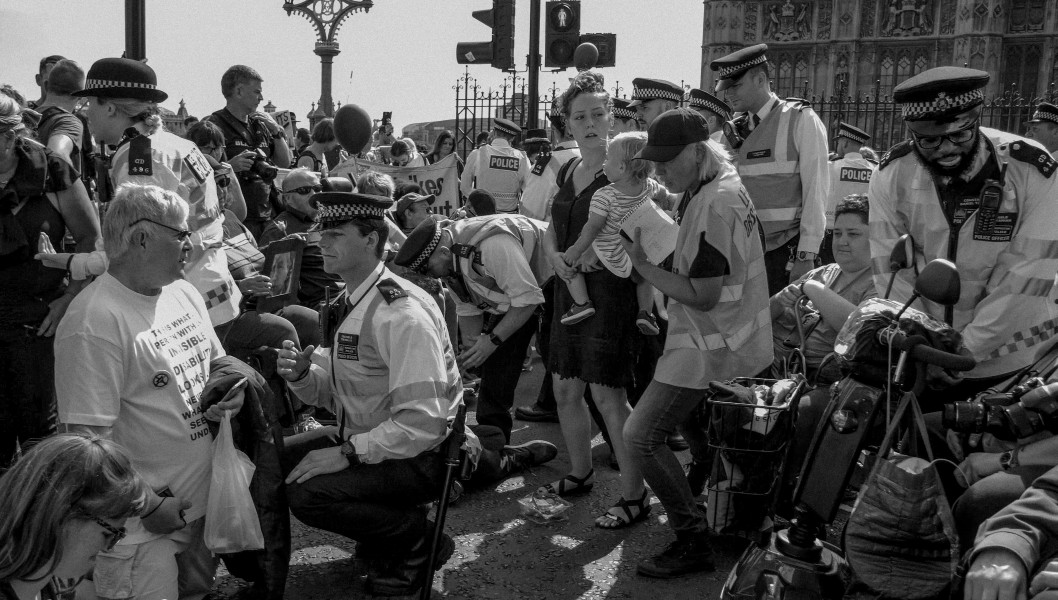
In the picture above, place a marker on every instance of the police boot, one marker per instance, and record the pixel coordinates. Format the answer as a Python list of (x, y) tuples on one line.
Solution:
[(402, 577)]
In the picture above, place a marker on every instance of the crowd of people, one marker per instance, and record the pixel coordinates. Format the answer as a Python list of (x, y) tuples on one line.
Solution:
[(359, 315)]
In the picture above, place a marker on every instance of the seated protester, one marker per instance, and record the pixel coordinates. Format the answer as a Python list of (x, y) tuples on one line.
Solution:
[(404, 187), (139, 381), (834, 291), (380, 184), (370, 477), (404, 154), (411, 209), (1014, 554), (480, 203)]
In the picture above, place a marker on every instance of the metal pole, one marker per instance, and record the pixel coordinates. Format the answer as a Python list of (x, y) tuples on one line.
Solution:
[(534, 64), (135, 29)]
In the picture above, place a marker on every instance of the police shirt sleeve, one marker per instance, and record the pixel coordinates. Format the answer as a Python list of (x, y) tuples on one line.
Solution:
[(466, 182), (885, 225), (315, 388), (811, 140)]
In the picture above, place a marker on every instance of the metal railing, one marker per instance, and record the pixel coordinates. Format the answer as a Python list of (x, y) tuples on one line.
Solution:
[(477, 106)]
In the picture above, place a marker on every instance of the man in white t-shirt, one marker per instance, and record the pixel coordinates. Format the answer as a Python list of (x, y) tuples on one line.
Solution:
[(137, 345)]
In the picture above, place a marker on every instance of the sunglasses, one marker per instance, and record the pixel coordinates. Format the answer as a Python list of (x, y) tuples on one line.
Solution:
[(181, 234), (115, 534), (223, 181), (305, 189), (929, 142)]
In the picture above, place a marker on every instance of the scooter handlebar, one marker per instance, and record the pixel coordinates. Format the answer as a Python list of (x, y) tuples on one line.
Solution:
[(919, 349)]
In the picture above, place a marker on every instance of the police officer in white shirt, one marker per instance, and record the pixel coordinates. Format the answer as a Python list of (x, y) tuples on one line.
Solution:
[(1043, 127), (850, 174), (715, 111), (499, 168)]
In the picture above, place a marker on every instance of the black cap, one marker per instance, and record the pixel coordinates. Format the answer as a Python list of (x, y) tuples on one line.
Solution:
[(482, 202), (733, 66), (411, 198), (506, 126), (941, 93), (536, 135), (338, 203), (622, 110), (1045, 111), (421, 243), (644, 90), (703, 100), (671, 132), (122, 78), (853, 133)]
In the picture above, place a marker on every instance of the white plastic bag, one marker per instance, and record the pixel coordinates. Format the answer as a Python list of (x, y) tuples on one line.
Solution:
[(232, 524)]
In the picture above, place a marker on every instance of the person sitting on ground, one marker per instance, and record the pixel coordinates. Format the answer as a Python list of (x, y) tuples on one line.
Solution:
[(379, 184), (833, 291), (630, 186), (65, 500), (411, 209)]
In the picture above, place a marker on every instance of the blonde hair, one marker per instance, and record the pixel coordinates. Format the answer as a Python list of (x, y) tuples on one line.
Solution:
[(64, 477), (132, 204), (623, 148), (137, 110)]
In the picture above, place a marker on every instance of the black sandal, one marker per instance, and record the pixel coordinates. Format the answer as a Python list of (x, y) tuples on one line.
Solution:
[(570, 485), (620, 522)]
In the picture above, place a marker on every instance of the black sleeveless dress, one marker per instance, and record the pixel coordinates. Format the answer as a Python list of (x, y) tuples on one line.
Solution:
[(600, 349)]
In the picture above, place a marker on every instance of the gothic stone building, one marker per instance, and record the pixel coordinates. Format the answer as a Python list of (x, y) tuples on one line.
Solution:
[(860, 47)]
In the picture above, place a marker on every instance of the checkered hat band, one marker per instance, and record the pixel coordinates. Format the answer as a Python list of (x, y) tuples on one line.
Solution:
[(942, 103), (1045, 115), (427, 251), (707, 105), (344, 212), (624, 113), (97, 84), (506, 130), (853, 136), (728, 71), (655, 94)]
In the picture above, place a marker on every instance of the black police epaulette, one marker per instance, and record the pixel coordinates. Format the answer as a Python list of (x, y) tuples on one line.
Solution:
[(1035, 156), (901, 149), (799, 103), (541, 163), (391, 291)]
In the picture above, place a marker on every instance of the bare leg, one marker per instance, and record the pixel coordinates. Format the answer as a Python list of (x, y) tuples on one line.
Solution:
[(578, 289), (644, 295), (575, 422), (613, 404)]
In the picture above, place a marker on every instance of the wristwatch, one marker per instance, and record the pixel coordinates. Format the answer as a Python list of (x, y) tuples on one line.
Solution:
[(495, 339), (1009, 459), (806, 255), (349, 452)]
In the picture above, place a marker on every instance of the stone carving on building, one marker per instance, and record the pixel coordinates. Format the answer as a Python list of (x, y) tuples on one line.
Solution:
[(867, 23), (907, 18), (749, 31), (947, 17), (787, 21), (825, 11)]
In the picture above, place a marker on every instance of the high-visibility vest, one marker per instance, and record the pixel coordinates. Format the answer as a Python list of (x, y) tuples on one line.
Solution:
[(849, 175), (468, 234)]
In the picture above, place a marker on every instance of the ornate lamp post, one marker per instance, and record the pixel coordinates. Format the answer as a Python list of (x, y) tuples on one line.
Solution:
[(326, 16)]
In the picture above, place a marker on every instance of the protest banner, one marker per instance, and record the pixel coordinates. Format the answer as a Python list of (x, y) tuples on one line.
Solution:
[(440, 179), (285, 119)]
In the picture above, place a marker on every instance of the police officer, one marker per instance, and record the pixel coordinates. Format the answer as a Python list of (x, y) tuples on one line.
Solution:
[(849, 174), (781, 148), (715, 111), (388, 372), (624, 117), (981, 198), (147, 154), (651, 97), (542, 181), (495, 266), (1044, 127), (498, 167)]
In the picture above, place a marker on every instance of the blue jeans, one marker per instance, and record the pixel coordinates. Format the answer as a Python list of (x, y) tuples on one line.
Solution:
[(660, 410)]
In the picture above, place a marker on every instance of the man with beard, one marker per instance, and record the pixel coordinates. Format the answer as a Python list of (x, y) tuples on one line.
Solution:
[(983, 199), (651, 97)]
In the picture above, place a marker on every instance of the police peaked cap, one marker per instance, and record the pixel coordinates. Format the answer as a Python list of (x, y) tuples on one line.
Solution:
[(122, 78), (645, 90), (941, 93), (853, 133), (421, 243), (338, 203), (733, 66), (1045, 111), (622, 110), (702, 99), (506, 126)]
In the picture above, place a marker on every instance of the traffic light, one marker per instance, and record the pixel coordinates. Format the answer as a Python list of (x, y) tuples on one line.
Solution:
[(562, 33), (607, 45), (500, 51)]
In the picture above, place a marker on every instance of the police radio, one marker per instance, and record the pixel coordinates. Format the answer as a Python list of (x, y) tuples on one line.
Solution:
[(736, 130), (990, 199)]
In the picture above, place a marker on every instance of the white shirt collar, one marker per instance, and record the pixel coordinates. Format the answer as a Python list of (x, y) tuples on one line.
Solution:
[(361, 290), (766, 109)]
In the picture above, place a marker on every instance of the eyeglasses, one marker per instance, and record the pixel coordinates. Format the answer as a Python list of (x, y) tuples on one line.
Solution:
[(181, 234), (929, 142), (115, 534), (305, 189)]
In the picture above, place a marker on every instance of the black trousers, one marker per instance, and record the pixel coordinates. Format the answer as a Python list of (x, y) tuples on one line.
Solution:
[(775, 262), (27, 399), (499, 379), (381, 505)]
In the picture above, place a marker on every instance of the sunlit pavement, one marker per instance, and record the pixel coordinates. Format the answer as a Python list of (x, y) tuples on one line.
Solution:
[(501, 555)]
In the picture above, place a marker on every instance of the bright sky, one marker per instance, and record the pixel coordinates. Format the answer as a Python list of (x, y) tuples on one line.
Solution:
[(400, 56)]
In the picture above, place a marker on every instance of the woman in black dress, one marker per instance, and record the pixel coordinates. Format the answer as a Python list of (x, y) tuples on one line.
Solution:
[(598, 352)]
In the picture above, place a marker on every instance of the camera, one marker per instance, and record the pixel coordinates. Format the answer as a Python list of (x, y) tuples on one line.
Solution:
[(1026, 410), (262, 167)]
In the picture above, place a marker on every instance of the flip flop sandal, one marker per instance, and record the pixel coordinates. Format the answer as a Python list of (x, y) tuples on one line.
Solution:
[(619, 522), (570, 485)]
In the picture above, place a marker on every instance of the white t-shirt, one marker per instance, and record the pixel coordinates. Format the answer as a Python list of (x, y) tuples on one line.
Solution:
[(138, 364)]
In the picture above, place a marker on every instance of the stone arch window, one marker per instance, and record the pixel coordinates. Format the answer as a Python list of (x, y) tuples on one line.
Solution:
[(886, 74), (1027, 15), (1021, 68), (790, 70)]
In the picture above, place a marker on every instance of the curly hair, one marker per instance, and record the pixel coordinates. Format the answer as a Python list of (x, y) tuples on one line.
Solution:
[(64, 477), (854, 204), (586, 82), (623, 148)]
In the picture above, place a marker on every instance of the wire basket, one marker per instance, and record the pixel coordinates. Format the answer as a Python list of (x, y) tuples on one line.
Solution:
[(749, 444)]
